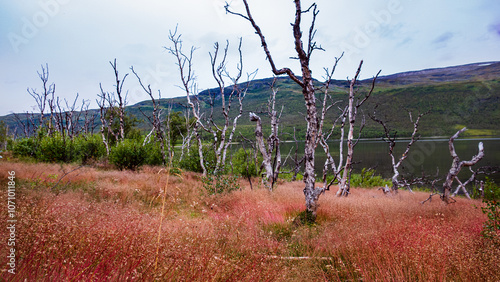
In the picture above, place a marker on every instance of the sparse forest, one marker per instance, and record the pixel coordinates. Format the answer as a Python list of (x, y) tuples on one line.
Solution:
[(201, 188)]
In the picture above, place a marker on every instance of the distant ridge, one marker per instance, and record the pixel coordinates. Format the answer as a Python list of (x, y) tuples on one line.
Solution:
[(457, 96), (474, 72)]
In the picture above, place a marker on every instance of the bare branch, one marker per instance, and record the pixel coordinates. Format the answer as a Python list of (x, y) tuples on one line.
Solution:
[(249, 18)]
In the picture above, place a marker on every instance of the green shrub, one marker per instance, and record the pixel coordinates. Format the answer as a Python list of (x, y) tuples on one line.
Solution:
[(153, 154), (220, 183), (367, 179), (241, 159), (491, 228), (129, 154), (56, 149), (191, 160), (25, 147), (90, 148), (288, 176)]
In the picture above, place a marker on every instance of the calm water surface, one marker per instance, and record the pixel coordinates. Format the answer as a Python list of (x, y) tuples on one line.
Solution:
[(426, 155)]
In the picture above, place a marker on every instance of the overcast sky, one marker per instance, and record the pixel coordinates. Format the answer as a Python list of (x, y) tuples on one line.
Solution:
[(77, 39)]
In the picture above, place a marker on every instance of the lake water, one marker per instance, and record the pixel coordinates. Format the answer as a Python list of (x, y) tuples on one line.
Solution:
[(426, 155)]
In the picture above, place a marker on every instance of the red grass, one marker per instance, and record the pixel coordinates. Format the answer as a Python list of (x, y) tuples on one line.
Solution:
[(103, 225)]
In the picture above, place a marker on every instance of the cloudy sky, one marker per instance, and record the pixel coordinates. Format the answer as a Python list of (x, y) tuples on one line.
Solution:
[(77, 39)]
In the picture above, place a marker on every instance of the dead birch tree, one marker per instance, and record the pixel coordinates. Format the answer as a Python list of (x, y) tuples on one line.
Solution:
[(103, 111), (391, 140), (306, 82), (219, 71), (188, 135), (111, 108), (271, 166), (155, 119), (457, 165), (41, 98), (122, 100), (185, 64), (352, 111), (486, 170), (222, 134)]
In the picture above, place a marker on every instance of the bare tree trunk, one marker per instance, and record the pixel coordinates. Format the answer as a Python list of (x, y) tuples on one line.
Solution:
[(457, 165), (122, 100), (392, 143), (266, 157), (186, 139), (41, 98), (352, 111), (155, 119), (271, 165), (296, 161), (103, 110), (185, 64), (218, 73), (311, 193)]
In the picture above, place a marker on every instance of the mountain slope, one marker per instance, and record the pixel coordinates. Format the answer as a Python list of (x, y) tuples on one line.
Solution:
[(467, 95), (469, 72)]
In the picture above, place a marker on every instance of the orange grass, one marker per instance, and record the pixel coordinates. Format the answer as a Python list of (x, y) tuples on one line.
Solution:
[(103, 225)]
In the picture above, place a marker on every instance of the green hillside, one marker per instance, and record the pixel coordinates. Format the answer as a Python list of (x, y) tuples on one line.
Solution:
[(458, 96)]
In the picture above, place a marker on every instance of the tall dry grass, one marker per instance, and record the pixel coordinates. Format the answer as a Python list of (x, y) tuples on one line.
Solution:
[(103, 225)]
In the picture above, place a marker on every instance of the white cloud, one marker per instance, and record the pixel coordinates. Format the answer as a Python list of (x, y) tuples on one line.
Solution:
[(78, 38)]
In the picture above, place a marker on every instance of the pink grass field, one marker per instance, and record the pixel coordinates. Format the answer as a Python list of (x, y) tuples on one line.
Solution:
[(103, 225)]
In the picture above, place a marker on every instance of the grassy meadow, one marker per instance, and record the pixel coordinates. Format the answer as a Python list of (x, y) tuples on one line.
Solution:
[(97, 224)]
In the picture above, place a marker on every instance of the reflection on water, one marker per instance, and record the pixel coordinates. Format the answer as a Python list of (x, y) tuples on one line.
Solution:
[(426, 155)]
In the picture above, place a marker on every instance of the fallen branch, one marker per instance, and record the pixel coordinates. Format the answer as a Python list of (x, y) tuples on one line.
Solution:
[(299, 258), (53, 187)]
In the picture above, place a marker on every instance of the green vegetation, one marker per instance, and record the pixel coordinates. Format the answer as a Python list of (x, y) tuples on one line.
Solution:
[(128, 154), (491, 228), (368, 179)]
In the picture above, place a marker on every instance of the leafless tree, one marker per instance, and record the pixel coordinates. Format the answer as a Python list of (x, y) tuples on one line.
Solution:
[(296, 161), (222, 134), (122, 99), (271, 165), (306, 82), (457, 165), (352, 111), (391, 140), (41, 98), (27, 125), (111, 106), (219, 72), (103, 111), (188, 135), (89, 123), (155, 119), (308, 90), (71, 117), (185, 64)]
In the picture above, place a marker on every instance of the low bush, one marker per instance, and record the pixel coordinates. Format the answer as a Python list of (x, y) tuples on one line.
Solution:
[(491, 228), (243, 163), (25, 147), (220, 183), (129, 154), (191, 161), (90, 148), (153, 154), (368, 179)]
